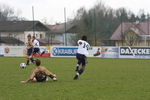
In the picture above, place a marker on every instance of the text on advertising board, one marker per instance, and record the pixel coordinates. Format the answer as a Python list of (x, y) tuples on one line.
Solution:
[(134, 51), (63, 51)]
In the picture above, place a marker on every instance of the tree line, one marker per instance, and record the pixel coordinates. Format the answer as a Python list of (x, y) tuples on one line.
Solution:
[(100, 22)]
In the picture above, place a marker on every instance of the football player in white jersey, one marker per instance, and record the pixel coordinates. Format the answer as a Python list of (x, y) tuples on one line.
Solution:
[(81, 56), (36, 45)]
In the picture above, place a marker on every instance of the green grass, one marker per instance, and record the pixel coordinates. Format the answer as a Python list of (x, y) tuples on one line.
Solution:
[(104, 79)]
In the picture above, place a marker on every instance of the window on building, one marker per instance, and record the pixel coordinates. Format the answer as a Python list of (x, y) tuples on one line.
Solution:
[(36, 35), (41, 36)]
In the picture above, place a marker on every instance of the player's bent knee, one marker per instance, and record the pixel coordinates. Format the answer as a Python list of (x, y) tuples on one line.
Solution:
[(83, 66)]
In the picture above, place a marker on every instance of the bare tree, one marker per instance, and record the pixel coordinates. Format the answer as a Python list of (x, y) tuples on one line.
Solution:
[(131, 38), (8, 14)]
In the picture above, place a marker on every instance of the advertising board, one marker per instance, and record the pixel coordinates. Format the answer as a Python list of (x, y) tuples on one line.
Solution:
[(134, 52), (1, 51), (61, 51), (109, 52)]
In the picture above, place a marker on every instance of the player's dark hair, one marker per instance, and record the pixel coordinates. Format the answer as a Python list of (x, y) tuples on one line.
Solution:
[(84, 38), (37, 62), (34, 37), (29, 35)]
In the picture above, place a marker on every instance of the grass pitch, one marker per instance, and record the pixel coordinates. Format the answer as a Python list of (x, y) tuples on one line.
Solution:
[(104, 79)]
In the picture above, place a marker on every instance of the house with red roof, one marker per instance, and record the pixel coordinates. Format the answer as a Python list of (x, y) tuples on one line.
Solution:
[(132, 34)]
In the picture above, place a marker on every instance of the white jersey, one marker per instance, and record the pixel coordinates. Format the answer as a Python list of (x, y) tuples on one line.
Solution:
[(83, 47), (36, 43)]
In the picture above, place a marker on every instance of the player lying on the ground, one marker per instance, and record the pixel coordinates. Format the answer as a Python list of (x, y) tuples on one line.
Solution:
[(82, 52), (29, 50), (40, 74)]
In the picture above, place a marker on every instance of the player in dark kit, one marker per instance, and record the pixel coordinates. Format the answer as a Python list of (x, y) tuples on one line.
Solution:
[(40, 74), (29, 48), (82, 52)]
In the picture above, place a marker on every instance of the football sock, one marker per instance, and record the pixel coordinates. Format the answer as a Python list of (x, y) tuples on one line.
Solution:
[(81, 71), (78, 73), (77, 67), (52, 76), (32, 60), (27, 62)]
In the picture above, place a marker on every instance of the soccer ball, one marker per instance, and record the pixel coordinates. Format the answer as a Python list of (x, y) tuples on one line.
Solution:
[(22, 65)]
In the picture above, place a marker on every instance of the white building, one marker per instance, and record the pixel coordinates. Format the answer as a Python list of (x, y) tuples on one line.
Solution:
[(15, 32)]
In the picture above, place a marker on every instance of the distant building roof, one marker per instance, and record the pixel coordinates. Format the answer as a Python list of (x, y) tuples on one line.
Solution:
[(60, 28), (20, 26), (142, 28)]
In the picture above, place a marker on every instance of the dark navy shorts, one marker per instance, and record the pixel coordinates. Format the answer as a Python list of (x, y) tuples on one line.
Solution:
[(36, 50), (81, 59), (29, 52)]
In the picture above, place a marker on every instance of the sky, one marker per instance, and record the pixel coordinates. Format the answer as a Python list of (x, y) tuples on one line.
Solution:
[(52, 11)]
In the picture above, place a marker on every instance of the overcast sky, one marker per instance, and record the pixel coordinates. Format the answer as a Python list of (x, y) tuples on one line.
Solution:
[(53, 10)]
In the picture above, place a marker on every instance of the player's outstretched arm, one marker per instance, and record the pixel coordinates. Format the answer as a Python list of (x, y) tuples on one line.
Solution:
[(30, 78)]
